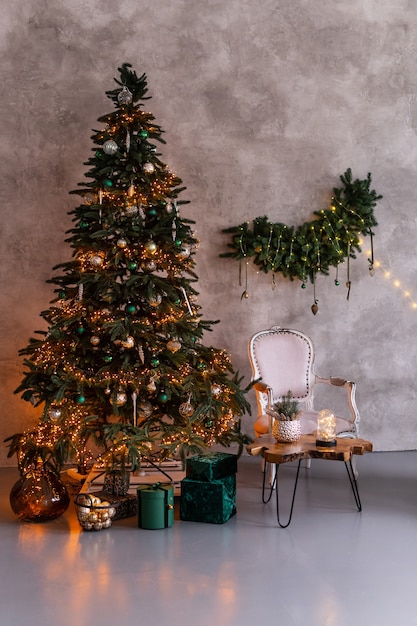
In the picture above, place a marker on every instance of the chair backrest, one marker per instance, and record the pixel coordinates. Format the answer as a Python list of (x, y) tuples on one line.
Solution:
[(283, 358)]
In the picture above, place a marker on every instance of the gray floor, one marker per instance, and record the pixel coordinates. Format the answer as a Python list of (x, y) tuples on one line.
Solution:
[(333, 566)]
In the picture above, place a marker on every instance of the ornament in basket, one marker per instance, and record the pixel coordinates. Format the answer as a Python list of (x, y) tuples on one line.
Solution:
[(93, 513)]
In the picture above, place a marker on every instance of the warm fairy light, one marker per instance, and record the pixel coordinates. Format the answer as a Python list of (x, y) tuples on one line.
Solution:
[(377, 265)]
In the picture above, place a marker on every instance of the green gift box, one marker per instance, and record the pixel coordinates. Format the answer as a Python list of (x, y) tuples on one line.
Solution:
[(211, 502), (155, 506), (210, 466)]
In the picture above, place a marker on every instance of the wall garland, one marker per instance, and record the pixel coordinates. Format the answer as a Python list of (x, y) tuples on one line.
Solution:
[(315, 246)]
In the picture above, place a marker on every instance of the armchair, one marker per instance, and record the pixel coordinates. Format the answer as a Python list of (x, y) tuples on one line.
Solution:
[(282, 359)]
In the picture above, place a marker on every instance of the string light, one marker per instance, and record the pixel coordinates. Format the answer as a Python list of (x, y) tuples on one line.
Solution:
[(394, 281)]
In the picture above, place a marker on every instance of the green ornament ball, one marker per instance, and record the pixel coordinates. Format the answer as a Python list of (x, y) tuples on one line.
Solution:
[(201, 366), (80, 330), (62, 295), (130, 308), (107, 182), (132, 266), (208, 424), (303, 286), (337, 282), (178, 243), (155, 362), (84, 224), (162, 397), (80, 399), (108, 358), (144, 134), (152, 212)]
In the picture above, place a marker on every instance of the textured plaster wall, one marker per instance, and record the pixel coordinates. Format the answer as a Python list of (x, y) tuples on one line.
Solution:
[(264, 105)]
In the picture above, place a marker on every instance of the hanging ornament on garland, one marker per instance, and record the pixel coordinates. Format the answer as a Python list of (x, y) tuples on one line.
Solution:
[(315, 246)]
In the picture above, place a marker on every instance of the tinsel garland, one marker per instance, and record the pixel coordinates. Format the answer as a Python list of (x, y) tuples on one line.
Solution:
[(315, 246)]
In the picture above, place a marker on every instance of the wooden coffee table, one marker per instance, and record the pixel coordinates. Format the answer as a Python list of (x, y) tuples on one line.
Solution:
[(306, 448)]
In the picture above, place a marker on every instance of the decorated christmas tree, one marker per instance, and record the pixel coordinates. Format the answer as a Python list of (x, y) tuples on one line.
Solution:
[(122, 371)]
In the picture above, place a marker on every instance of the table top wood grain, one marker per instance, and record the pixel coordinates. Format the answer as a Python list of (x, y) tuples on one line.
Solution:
[(306, 448)]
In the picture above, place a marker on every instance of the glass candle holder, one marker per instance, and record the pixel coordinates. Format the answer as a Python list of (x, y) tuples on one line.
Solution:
[(326, 429)]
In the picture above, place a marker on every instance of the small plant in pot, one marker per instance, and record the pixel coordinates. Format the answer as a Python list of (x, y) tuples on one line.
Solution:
[(286, 424)]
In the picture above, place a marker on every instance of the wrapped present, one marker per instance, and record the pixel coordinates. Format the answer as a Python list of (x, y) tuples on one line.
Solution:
[(155, 506), (126, 506), (211, 502), (210, 466)]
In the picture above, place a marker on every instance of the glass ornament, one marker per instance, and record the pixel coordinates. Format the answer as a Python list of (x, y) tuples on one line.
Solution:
[(94, 340), (132, 210), (80, 330), (130, 308), (163, 397), (145, 409), (148, 168), (186, 409), (39, 495), (107, 182), (121, 243), (155, 362), (120, 399), (124, 96), (55, 413), (144, 134), (110, 147), (129, 342), (173, 345), (80, 399), (155, 300), (96, 260), (149, 266), (184, 252), (216, 390)]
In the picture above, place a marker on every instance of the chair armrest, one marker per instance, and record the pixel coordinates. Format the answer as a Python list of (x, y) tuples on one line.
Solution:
[(350, 387), (261, 387)]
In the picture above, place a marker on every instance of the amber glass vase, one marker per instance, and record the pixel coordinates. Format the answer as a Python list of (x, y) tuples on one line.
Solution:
[(39, 495)]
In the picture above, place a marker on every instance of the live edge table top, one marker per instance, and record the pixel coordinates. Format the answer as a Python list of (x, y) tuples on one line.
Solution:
[(306, 448)]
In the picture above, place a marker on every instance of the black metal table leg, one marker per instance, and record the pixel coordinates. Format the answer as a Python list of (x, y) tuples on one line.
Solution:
[(293, 495), (353, 484), (271, 488)]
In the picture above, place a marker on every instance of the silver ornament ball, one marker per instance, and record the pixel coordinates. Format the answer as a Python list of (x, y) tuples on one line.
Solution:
[(110, 147)]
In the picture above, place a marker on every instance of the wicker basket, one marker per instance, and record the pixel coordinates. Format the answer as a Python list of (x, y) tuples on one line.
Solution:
[(93, 513)]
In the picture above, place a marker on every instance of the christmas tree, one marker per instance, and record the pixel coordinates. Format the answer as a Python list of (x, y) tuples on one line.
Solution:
[(121, 371)]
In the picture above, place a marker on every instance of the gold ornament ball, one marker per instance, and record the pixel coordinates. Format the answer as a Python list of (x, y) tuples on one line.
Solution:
[(121, 243), (151, 247), (95, 340)]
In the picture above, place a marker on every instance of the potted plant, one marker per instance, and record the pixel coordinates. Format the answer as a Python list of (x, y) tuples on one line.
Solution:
[(286, 424)]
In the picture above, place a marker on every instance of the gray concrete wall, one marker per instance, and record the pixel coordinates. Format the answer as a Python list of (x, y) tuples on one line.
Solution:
[(264, 105)]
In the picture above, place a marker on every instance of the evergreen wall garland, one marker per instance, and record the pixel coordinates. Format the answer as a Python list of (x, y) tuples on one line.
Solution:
[(315, 246)]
